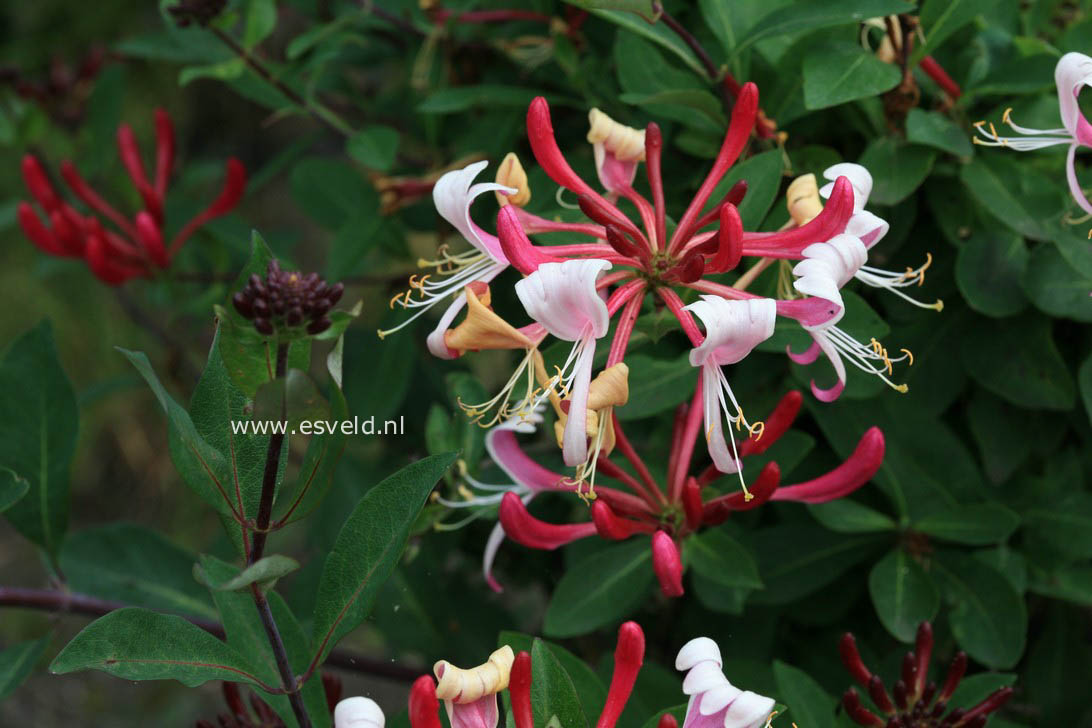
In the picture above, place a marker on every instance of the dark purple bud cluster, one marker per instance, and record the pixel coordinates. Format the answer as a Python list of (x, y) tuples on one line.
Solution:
[(287, 300), (201, 12), (913, 702)]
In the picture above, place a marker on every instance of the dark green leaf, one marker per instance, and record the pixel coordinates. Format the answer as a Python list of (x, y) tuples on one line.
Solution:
[(1017, 195), (264, 571), (375, 147), (1066, 524), (987, 616), (763, 173), (790, 572), (17, 662), (12, 488), (599, 589), (1000, 431), (1057, 288), (941, 18), (138, 644), (330, 191), (553, 694), (129, 563), (989, 270), (658, 33), (848, 516), (808, 703), (291, 400), (974, 689), (376, 385), (933, 129), (721, 559), (38, 423), (839, 72), (451, 100), (704, 103), (588, 685), (905, 167), (1017, 360), (1084, 377), (903, 594), (368, 548), (662, 383), (814, 16), (978, 524)]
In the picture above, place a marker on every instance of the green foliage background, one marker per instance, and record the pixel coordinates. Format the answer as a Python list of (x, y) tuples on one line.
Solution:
[(981, 517)]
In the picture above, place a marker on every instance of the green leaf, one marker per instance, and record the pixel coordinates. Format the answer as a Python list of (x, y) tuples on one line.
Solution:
[(374, 146), (763, 173), (38, 424), (704, 103), (940, 18), (1067, 525), (588, 685), (1000, 431), (987, 616), (1021, 197), (17, 662), (641, 7), (903, 594), (12, 488), (265, 571), (246, 634), (663, 383), (485, 95), (1084, 377), (989, 269), (978, 524), (936, 130), (658, 33), (906, 167), (293, 399), (553, 695), (721, 559), (790, 572), (974, 689), (369, 547), (599, 589), (375, 386), (1056, 287), (848, 516), (138, 644), (135, 565), (808, 703), (261, 19), (1017, 360), (815, 16), (330, 191), (835, 73)]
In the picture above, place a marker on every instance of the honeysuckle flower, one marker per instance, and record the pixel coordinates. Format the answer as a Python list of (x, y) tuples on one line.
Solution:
[(638, 506), (453, 195), (1073, 72), (732, 330), (115, 247), (827, 267), (511, 174), (913, 700), (714, 701), (470, 696), (618, 149), (358, 712), (563, 298)]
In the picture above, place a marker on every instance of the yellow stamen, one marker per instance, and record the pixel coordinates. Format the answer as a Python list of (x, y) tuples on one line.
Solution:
[(909, 355)]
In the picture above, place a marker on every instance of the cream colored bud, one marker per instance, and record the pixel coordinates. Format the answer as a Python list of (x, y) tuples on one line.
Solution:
[(465, 686), (510, 173), (624, 142), (802, 199), (482, 329)]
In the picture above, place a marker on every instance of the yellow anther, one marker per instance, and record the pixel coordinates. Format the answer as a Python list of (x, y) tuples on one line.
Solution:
[(1005, 116), (757, 429), (465, 492), (939, 305), (909, 355), (381, 334), (902, 389)]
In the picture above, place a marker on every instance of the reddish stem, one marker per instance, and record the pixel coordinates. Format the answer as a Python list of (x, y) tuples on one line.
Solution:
[(685, 319), (686, 445), (623, 445), (625, 324)]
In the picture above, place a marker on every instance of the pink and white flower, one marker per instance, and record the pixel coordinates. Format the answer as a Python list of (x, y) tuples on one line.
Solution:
[(1073, 72), (714, 701)]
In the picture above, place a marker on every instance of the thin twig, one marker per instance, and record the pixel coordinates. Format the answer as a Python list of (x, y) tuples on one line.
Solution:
[(688, 38), (280, 655), (64, 602), (272, 467)]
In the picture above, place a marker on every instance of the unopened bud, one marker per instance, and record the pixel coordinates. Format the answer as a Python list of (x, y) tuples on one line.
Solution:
[(510, 173), (802, 199), (624, 142)]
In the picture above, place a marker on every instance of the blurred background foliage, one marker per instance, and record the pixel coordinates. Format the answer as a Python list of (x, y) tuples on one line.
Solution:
[(981, 517)]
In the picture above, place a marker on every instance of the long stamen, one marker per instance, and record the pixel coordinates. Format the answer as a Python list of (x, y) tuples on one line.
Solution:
[(892, 281), (1030, 138)]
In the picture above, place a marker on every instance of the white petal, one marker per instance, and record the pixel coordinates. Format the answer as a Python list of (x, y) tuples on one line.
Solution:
[(868, 227), (358, 712), (1073, 71), (748, 711), (703, 676), (699, 649), (732, 328), (453, 195), (563, 298), (859, 178), (716, 699)]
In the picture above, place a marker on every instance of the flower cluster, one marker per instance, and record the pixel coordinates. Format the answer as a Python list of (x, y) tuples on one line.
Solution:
[(914, 702), (286, 300), (620, 268), (115, 247), (470, 695)]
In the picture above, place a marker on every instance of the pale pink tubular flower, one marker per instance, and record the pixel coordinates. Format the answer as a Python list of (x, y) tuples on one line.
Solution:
[(732, 330), (563, 298), (453, 195), (827, 267), (1073, 72), (714, 701), (868, 227)]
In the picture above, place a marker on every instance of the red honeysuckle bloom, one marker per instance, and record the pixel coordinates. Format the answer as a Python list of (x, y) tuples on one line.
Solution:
[(117, 248)]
